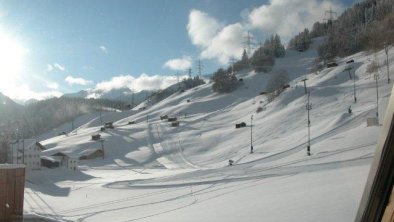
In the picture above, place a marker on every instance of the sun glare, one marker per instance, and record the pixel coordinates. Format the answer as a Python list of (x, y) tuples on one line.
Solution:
[(11, 62)]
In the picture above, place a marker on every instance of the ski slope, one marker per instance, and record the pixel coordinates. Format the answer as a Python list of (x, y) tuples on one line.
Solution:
[(155, 172)]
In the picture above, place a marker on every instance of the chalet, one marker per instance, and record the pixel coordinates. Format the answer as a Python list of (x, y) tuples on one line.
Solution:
[(49, 162), (109, 125), (26, 151), (91, 154), (66, 160), (163, 117)]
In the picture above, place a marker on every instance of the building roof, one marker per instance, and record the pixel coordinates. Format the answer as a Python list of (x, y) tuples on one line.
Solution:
[(64, 154), (89, 151), (42, 147), (49, 158), (12, 166)]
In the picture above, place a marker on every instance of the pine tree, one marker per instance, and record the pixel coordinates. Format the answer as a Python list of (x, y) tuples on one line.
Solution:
[(244, 59), (224, 81)]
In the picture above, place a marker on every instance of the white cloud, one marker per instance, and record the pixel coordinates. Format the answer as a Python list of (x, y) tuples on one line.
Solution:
[(215, 40), (77, 80), (226, 44), (143, 82), (52, 85), (55, 66), (289, 17), (24, 93), (284, 17), (202, 28), (179, 64), (59, 67), (103, 49)]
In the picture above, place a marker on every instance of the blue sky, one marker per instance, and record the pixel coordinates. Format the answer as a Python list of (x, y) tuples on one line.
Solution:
[(66, 46)]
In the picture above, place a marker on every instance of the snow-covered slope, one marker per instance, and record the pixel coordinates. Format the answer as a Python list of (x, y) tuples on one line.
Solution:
[(155, 172)]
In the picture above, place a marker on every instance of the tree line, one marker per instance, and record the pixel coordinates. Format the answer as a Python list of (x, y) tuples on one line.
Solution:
[(262, 60)]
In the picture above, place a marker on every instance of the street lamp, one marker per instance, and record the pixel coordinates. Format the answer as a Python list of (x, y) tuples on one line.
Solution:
[(376, 77), (354, 82), (251, 134), (386, 50), (308, 108), (304, 80)]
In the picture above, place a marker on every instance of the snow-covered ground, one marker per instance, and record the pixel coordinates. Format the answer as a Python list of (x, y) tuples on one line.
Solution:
[(155, 172)]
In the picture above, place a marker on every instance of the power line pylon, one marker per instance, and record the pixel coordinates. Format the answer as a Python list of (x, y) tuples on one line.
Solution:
[(199, 68), (248, 43), (330, 18)]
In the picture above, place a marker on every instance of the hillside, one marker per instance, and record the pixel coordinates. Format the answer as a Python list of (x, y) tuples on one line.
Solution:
[(163, 173)]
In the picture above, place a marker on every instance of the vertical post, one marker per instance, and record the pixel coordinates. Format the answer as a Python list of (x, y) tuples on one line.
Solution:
[(350, 75), (251, 134), (386, 50), (308, 108), (23, 151), (376, 77), (102, 147), (354, 88), (306, 90)]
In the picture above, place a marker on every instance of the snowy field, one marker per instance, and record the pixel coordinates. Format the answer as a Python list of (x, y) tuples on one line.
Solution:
[(155, 172)]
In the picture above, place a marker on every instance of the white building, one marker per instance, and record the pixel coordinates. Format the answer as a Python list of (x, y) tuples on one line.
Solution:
[(67, 160), (72, 162), (26, 151)]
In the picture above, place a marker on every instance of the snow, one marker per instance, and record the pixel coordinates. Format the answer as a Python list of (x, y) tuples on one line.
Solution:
[(155, 172)]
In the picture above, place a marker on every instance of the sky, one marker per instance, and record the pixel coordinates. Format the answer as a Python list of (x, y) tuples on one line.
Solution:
[(52, 47)]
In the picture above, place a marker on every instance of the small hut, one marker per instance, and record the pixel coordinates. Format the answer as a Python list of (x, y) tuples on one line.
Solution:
[(109, 125), (240, 125), (91, 154), (175, 124), (172, 119)]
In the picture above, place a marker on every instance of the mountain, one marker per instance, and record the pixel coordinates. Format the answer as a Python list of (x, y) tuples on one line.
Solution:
[(123, 94), (30, 101), (80, 94), (8, 109)]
